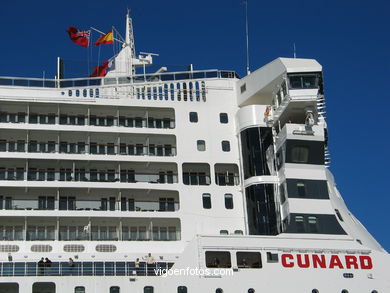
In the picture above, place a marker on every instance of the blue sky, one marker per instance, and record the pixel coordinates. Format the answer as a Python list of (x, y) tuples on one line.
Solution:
[(349, 38)]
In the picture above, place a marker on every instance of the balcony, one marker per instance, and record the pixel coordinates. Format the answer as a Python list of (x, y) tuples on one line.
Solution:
[(89, 229), (148, 119), (94, 148)]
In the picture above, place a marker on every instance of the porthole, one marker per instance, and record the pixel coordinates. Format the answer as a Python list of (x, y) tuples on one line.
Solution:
[(344, 291), (374, 291), (315, 291), (251, 290), (218, 290)]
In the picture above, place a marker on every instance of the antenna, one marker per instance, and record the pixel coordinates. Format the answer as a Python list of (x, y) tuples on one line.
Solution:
[(247, 37), (295, 52)]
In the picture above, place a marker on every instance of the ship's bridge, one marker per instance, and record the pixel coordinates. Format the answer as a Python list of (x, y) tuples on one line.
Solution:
[(262, 85)]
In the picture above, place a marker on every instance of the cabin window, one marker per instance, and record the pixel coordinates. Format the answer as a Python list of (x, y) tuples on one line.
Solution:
[(225, 146), (306, 188), (79, 289), (248, 260), (301, 188), (182, 289), (314, 223), (251, 290), (223, 118), (305, 152), (193, 117), (206, 199), (228, 201), (299, 154), (114, 289), (218, 290), (201, 145), (148, 289), (218, 259), (272, 257), (223, 232)]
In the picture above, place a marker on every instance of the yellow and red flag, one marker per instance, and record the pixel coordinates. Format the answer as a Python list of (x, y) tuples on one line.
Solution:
[(105, 39)]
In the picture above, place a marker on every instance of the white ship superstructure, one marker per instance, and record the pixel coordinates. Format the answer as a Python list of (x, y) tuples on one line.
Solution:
[(201, 169)]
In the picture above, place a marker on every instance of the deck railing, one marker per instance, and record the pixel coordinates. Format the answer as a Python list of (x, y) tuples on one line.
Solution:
[(98, 268)]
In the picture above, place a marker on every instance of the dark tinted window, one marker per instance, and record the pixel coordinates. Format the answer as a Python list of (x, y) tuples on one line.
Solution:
[(148, 289), (226, 146), (314, 223), (206, 199), (228, 201), (305, 188), (249, 260), (305, 80), (182, 289), (193, 117), (254, 144), (223, 118), (218, 259), (305, 152)]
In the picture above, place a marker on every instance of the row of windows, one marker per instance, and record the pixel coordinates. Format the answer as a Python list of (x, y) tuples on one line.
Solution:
[(304, 188), (222, 259), (81, 119), (314, 223), (201, 145), (34, 146), (223, 117), (206, 201), (73, 203), (96, 233)]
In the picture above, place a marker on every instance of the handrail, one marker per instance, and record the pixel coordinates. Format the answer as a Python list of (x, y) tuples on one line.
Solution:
[(87, 82), (84, 268)]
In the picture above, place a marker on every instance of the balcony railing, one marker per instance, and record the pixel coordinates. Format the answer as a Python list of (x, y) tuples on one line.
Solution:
[(83, 175), (84, 148), (103, 204), (87, 82), (82, 120), (97, 268)]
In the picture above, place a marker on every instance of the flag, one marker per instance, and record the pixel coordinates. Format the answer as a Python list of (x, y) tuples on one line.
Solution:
[(105, 39), (79, 37), (101, 70)]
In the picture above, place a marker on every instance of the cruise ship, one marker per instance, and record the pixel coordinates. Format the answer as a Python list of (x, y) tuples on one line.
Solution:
[(181, 182)]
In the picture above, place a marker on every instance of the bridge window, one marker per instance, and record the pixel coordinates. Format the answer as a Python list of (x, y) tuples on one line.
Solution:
[(305, 81), (249, 260), (218, 259), (305, 152)]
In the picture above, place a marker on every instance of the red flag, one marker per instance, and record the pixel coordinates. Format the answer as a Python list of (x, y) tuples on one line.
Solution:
[(79, 37), (100, 71), (105, 39)]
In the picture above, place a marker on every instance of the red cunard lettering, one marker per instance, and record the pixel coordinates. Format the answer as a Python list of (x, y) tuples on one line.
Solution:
[(304, 264), (287, 260), (365, 262), (322, 261), (351, 261), (335, 262), (319, 261)]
